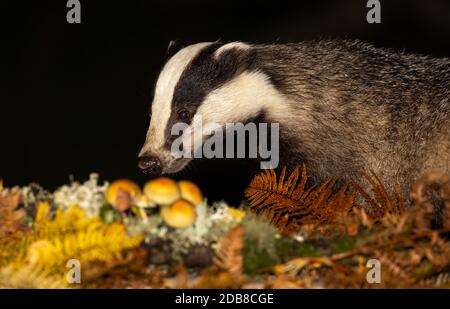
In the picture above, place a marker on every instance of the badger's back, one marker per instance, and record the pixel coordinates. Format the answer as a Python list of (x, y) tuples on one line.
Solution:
[(356, 107)]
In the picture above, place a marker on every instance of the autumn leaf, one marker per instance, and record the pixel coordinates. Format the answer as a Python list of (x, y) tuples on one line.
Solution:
[(290, 204), (229, 255), (11, 217)]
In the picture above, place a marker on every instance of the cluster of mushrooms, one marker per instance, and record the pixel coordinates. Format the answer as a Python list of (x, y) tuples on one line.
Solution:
[(177, 200)]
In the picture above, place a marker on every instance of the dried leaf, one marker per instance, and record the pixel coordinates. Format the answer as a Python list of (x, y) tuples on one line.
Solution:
[(229, 256), (381, 203), (290, 205), (296, 265), (11, 218)]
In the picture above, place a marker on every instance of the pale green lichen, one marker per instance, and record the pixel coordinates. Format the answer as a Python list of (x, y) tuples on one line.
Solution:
[(89, 195)]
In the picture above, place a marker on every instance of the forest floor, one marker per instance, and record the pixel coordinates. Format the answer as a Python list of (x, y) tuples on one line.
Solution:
[(166, 235)]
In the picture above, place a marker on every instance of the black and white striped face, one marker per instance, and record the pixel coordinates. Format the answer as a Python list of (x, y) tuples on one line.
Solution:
[(214, 81)]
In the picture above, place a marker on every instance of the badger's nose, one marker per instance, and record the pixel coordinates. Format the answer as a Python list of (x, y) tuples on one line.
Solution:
[(150, 166)]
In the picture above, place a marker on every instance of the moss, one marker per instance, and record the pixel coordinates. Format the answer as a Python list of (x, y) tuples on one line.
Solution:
[(108, 214), (289, 248), (343, 244), (348, 262), (256, 261), (286, 248)]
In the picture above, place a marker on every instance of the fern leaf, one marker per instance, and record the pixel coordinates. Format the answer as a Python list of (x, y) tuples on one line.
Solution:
[(381, 202), (30, 277), (289, 204), (70, 235), (10, 216), (229, 256)]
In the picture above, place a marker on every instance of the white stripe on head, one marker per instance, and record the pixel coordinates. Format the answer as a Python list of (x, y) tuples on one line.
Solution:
[(233, 45), (165, 86), (239, 100), (242, 98)]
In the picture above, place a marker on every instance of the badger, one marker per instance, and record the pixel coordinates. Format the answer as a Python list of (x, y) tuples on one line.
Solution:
[(344, 107)]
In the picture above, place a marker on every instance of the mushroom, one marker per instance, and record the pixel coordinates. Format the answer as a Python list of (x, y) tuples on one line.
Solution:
[(162, 191), (190, 192), (180, 214), (120, 194), (142, 201)]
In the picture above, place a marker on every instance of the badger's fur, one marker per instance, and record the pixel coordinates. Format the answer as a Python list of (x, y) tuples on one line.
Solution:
[(343, 106)]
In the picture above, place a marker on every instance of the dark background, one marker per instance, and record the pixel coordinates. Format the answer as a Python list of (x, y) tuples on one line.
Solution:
[(77, 96)]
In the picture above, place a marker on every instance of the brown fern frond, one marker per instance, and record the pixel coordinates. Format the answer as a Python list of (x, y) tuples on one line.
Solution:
[(265, 191), (290, 204), (394, 267), (229, 255), (381, 203), (11, 217), (441, 280)]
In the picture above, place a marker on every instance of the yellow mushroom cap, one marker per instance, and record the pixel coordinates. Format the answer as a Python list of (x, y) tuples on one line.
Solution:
[(190, 192), (143, 201), (180, 214), (122, 184), (162, 191)]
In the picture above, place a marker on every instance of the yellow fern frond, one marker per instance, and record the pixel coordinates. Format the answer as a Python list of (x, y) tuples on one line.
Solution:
[(29, 277), (71, 235), (68, 221)]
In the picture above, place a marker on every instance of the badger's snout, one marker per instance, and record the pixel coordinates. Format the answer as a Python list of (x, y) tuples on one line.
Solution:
[(150, 165)]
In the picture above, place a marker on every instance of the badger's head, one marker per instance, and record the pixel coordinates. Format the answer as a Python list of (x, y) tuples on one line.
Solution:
[(218, 82)]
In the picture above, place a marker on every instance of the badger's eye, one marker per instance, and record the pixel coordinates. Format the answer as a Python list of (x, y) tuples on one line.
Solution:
[(183, 114)]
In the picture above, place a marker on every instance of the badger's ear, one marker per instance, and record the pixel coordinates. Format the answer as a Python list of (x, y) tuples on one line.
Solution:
[(235, 55), (173, 48)]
